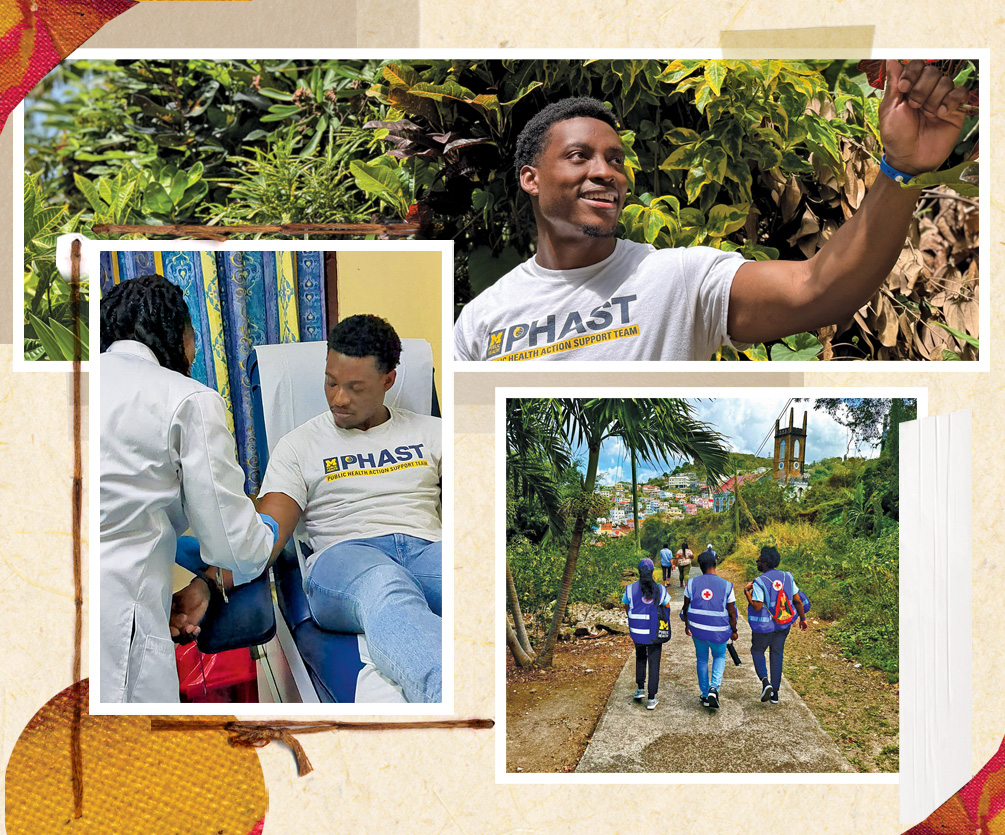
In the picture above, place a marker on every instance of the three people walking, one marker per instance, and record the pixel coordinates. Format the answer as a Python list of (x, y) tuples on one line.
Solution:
[(709, 613)]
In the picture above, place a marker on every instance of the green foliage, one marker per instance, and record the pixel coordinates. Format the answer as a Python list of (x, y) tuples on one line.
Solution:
[(848, 578), (48, 311), (537, 571)]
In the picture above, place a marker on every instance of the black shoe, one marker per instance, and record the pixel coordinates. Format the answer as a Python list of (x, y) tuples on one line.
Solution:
[(765, 689), (713, 698), (703, 700), (774, 697)]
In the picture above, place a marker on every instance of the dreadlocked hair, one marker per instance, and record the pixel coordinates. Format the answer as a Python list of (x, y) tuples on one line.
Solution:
[(152, 310)]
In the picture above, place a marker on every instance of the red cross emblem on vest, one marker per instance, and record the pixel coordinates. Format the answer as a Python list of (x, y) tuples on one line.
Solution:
[(777, 585), (706, 594)]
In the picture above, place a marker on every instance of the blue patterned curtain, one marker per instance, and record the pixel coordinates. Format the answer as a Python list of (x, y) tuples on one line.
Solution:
[(237, 300)]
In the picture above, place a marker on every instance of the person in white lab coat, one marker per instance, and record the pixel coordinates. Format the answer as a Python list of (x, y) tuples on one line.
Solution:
[(167, 464)]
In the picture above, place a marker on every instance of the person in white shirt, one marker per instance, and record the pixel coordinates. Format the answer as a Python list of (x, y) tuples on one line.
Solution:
[(588, 296), (365, 480), (168, 463)]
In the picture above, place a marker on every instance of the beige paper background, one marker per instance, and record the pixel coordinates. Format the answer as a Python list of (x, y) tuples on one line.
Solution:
[(443, 781)]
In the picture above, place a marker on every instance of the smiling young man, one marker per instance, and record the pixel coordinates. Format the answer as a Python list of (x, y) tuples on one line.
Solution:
[(587, 295), (365, 479)]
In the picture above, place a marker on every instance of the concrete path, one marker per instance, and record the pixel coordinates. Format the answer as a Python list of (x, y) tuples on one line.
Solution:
[(681, 736)]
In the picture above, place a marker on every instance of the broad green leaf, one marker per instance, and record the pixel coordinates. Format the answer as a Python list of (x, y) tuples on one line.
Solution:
[(704, 95), (684, 157), (279, 112), (758, 353), (676, 70), (715, 74), (950, 356), (86, 187), (156, 200), (691, 217), (724, 220), (49, 342), (177, 186), (64, 336), (955, 178), (714, 162), (683, 136), (195, 174), (381, 181), (800, 346), (399, 75)]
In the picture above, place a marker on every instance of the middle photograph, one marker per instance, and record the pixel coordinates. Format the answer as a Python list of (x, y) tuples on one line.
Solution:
[(309, 568)]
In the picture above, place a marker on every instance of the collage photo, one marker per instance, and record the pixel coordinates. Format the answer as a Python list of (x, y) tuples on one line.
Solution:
[(302, 509)]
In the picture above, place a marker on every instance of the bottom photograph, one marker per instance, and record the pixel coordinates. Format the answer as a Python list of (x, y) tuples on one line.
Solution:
[(703, 584)]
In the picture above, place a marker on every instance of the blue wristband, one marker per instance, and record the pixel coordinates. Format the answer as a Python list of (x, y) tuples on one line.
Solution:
[(893, 173), (273, 525)]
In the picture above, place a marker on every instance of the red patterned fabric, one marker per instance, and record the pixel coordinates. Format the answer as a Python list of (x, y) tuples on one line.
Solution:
[(35, 35), (979, 807)]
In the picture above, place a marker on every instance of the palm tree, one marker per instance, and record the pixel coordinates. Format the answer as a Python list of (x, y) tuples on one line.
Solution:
[(656, 429)]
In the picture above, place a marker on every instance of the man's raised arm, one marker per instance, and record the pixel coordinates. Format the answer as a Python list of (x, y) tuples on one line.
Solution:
[(919, 122)]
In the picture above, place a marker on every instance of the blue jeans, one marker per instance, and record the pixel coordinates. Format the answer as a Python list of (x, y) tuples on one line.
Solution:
[(701, 650), (390, 588), (775, 641)]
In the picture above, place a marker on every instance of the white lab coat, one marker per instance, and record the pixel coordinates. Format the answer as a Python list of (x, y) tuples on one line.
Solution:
[(167, 463)]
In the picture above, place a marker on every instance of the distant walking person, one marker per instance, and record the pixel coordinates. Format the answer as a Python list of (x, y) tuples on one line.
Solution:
[(644, 604), (710, 616), (683, 559), (666, 563), (770, 598)]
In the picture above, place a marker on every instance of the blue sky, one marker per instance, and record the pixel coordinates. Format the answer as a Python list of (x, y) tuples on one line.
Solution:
[(744, 421)]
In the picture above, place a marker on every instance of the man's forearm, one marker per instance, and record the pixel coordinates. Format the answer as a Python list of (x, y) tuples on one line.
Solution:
[(286, 512), (852, 265)]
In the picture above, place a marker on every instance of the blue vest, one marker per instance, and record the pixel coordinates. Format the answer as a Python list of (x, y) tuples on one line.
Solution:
[(643, 618), (762, 621), (707, 616)]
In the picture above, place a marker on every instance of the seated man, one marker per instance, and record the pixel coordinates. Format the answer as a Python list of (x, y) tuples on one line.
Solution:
[(366, 480)]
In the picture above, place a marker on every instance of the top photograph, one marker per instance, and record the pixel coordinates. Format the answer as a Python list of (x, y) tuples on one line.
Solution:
[(601, 211)]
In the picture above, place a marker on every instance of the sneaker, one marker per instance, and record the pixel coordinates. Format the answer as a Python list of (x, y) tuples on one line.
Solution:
[(640, 694), (651, 704), (703, 700), (713, 698), (774, 697), (765, 689)]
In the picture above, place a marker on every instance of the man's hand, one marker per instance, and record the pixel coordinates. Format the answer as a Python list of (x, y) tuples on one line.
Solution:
[(802, 625), (919, 117), (188, 607)]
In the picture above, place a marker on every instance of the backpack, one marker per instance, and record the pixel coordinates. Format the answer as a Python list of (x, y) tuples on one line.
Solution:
[(663, 628), (784, 612)]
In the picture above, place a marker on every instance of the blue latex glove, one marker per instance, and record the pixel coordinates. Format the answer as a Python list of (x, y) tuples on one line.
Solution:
[(272, 523)]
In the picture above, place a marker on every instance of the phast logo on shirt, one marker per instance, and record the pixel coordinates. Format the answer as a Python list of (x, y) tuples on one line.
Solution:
[(374, 463), (544, 337)]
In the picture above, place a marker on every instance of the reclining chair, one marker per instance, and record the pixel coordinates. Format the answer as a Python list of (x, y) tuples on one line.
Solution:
[(300, 662)]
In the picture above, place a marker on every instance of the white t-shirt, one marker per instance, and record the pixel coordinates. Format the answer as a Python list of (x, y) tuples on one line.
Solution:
[(353, 484), (640, 303)]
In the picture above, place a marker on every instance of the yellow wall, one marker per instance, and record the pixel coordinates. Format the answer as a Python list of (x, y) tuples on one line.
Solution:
[(403, 287)]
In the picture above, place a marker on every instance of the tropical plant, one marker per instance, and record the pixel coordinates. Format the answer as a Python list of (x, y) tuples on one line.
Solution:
[(48, 311), (656, 428)]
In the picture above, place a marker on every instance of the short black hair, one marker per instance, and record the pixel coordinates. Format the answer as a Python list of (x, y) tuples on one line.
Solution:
[(706, 560), (152, 310), (770, 557), (532, 138), (366, 335)]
